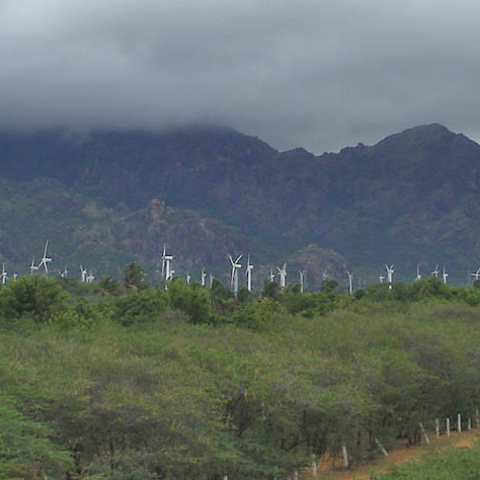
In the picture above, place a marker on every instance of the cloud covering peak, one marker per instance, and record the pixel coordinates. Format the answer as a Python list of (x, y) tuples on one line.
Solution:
[(316, 74)]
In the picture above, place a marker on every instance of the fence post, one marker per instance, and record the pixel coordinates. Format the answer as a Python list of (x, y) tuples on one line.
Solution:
[(437, 427), (380, 446), (314, 467), (448, 427), (459, 422), (424, 433), (344, 455)]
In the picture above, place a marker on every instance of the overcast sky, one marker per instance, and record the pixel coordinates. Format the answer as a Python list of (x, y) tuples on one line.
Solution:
[(321, 74)]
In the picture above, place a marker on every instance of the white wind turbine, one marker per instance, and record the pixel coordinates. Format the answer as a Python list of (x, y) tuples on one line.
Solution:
[(436, 272), (390, 272), (84, 272), (282, 272), (476, 275), (302, 280), (444, 275), (90, 277), (381, 278), (15, 275), (188, 279), (350, 282), (167, 274), (203, 277), (4, 276), (248, 274), (234, 278), (210, 280), (271, 277), (418, 276), (45, 260), (33, 267)]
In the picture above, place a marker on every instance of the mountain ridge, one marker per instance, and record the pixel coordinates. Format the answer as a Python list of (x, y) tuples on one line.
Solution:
[(409, 198)]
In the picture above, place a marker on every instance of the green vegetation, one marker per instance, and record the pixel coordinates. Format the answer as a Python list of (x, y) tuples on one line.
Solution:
[(124, 381), (440, 464)]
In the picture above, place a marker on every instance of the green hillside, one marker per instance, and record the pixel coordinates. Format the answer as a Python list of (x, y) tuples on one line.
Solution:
[(410, 199)]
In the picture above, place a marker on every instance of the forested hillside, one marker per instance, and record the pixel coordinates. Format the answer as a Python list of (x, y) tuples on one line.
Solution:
[(124, 381), (410, 199)]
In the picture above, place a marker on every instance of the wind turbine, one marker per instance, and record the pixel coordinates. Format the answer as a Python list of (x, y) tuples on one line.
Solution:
[(4, 276), (45, 260), (271, 277), (210, 280), (84, 272), (444, 275), (90, 277), (33, 267), (390, 272), (167, 275), (419, 276), (234, 278), (282, 272), (248, 274), (476, 275), (435, 273), (64, 274), (15, 275), (350, 282), (203, 277), (381, 278), (188, 278), (302, 280)]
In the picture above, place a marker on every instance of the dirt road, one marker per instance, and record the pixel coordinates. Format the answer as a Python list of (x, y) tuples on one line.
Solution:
[(400, 455)]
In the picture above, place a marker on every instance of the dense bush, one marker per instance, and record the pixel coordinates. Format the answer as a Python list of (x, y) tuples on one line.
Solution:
[(31, 296), (113, 386)]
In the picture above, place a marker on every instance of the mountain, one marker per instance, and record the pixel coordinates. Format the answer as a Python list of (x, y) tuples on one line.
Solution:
[(107, 197)]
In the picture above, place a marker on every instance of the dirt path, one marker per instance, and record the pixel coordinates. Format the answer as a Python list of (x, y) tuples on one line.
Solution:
[(401, 455)]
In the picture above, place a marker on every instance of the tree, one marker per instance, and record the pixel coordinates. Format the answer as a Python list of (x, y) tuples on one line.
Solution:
[(190, 299), (134, 277), (32, 296)]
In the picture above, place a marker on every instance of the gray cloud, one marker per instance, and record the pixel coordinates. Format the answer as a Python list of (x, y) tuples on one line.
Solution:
[(312, 73)]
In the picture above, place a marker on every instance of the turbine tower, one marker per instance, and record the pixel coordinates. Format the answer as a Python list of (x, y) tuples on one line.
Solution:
[(210, 280), (234, 278), (271, 277), (419, 276), (444, 275), (436, 272), (45, 260), (282, 272), (4, 276), (390, 272), (350, 282), (90, 277), (248, 274), (188, 279), (33, 267), (302, 280), (167, 274), (203, 277), (381, 278), (84, 272)]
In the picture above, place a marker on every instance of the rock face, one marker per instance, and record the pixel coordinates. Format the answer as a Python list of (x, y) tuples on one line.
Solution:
[(196, 241), (320, 264), (412, 198)]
